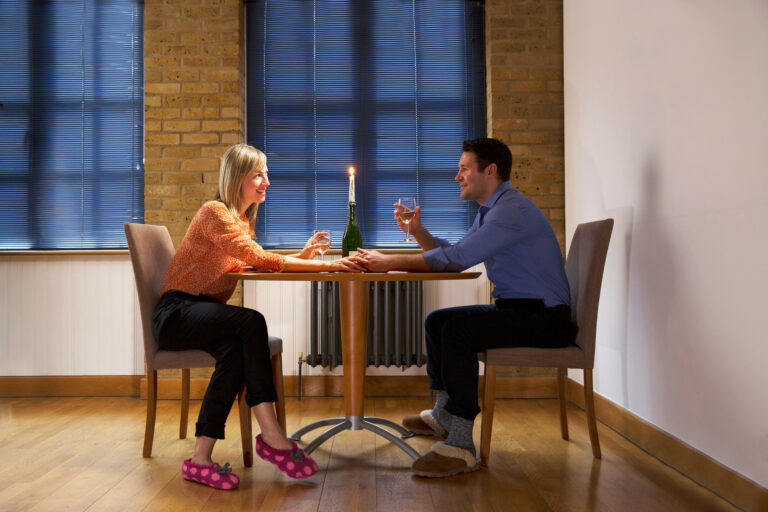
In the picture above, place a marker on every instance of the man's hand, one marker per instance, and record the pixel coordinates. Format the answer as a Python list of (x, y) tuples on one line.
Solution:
[(374, 261), (415, 221), (418, 231)]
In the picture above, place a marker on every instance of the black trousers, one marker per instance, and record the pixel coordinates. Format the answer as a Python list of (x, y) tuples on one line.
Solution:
[(236, 337), (456, 335)]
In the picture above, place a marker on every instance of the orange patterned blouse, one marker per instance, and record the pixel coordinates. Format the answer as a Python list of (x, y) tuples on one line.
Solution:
[(214, 245)]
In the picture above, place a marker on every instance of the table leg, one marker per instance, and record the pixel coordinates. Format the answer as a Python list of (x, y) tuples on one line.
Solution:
[(353, 298)]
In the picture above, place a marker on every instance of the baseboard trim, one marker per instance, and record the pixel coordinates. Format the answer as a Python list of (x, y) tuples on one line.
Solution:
[(702, 469), (324, 385), (95, 385), (386, 385)]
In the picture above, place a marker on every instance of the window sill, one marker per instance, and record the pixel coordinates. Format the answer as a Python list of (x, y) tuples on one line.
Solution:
[(68, 252), (119, 252)]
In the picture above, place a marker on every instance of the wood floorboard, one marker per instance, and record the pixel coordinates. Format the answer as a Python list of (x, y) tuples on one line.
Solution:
[(78, 454), (396, 489), (283, 493), (350, 480), (563, 472), (52, 468)]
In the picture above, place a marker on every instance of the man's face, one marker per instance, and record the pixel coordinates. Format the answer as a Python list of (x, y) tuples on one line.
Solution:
[(475, 184)]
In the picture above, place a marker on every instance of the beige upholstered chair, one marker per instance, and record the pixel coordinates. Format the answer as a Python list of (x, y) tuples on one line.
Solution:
[(584, 268), (151, 251)]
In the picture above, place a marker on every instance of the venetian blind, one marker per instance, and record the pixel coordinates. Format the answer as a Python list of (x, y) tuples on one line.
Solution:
[(389, 87)]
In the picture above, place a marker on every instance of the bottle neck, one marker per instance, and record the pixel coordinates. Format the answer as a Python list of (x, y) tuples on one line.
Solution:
[(352, 215)]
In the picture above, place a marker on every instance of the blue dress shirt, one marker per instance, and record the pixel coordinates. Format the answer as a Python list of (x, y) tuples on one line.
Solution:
[(516, 242)]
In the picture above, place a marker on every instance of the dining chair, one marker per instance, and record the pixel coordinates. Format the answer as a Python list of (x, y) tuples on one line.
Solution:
[(584, 269), (151, 250)]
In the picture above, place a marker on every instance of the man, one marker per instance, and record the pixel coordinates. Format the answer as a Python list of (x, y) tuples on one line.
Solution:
[(522, 259)]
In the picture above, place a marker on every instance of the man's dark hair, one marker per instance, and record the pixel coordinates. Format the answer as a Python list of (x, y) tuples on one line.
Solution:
[(491, 151)]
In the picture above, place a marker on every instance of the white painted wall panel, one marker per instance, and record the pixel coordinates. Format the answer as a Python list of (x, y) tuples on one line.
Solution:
[(285, 307), (69, 315), (666, 116), (79, 315)]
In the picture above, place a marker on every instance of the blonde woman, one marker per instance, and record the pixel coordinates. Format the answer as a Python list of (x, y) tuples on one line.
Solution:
[(192, 313)]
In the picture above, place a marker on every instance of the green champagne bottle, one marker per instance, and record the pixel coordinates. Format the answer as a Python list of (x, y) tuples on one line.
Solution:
[(352, 239)]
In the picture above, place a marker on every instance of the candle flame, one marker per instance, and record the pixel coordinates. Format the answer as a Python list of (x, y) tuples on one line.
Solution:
[(351, 171)]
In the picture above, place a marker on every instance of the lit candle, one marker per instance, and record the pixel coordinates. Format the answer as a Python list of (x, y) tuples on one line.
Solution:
[(352, 184)]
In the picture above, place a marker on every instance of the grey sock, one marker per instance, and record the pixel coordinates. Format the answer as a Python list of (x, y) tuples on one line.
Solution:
[(441, 398), (442, 416), (461, 433)]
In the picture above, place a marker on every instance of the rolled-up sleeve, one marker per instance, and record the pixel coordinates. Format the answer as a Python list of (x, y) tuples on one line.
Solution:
[(438, 260), (478, 245)]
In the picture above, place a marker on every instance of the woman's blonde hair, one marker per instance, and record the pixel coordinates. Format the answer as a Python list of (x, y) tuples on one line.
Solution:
[(236, 163)]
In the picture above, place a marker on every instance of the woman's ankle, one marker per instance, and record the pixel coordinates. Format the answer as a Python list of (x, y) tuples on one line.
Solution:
[(203, 450), (201, 460), (276, 440)]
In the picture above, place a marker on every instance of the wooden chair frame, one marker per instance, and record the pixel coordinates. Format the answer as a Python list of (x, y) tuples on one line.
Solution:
[(151, 250), (584, 267)]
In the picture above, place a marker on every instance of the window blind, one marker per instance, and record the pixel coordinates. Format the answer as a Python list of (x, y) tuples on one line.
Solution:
[(389, 87), (71, 123)]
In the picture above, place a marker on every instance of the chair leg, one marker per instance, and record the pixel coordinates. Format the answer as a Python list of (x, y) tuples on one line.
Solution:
[(561, 395), (246, 432), (489, 401), (589, 402), (184, 403), (149, 429), (277, 377)]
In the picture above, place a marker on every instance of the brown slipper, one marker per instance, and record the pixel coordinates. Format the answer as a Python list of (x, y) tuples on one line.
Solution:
[(424, 425), (444, 460)]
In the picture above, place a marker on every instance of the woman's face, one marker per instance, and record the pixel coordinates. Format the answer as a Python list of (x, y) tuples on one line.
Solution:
[(254, 189)]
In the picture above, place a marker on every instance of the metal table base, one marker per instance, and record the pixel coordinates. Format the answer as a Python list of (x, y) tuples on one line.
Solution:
[(370, 423)]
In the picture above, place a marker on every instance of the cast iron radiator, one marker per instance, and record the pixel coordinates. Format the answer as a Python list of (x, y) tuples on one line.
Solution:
[(395, 324)]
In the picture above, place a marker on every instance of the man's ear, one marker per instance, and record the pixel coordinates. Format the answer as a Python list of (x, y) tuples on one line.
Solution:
[(491, 171)]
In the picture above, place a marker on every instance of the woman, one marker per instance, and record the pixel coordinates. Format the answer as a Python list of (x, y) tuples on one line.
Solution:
[(192, 313)]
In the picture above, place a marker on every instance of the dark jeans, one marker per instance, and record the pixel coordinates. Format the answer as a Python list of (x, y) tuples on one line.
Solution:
[(456, 335), (236, 337)]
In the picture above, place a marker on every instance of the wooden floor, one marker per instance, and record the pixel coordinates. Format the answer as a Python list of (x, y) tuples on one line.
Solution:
[(59, 454)]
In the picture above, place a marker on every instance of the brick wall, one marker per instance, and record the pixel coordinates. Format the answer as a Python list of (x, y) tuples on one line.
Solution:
[(194, 106), (194, 103), (524, 56)]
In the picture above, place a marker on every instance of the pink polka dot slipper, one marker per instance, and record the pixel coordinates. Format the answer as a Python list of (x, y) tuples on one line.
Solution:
[(294, 463), (211, 475)]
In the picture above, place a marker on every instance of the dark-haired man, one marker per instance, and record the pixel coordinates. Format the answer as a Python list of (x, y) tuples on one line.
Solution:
[(514, 240)]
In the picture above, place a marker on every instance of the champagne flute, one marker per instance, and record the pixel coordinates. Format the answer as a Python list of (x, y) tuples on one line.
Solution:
[(325, 239), (405, 211)]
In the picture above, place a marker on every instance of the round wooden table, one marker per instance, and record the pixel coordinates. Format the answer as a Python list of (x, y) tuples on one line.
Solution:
[(353, 299)]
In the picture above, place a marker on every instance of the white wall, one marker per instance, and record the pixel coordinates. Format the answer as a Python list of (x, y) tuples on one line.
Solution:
[(79, 315), (285, 305), (666, 130), (69, 315)]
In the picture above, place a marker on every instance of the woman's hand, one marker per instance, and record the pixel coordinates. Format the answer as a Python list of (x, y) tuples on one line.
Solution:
[(313, 245), (348, 264)]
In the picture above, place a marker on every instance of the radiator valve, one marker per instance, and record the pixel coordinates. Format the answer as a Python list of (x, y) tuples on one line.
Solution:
[(301, 360)]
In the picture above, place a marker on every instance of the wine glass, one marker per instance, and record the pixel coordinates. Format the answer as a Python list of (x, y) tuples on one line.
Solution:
[(406, 209), (326, 238)]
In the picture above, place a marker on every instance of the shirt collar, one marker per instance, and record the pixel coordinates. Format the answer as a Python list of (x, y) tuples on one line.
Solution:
[(503, 187)]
